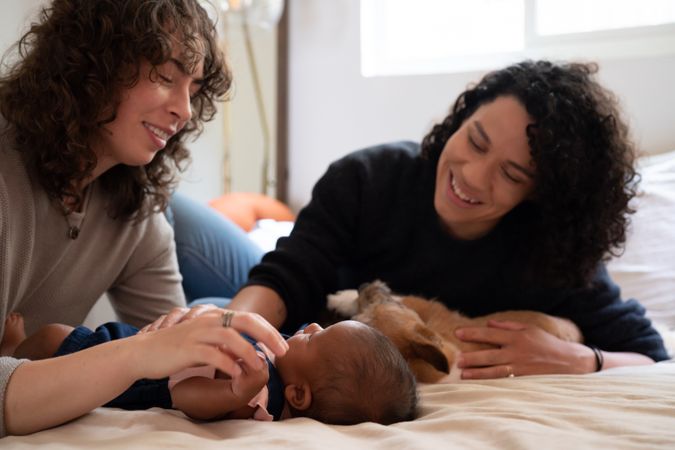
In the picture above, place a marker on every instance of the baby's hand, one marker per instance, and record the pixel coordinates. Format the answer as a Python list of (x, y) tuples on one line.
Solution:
[(251, 381)]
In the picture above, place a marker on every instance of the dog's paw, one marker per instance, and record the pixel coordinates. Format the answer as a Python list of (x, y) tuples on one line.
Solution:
[(344, 302)]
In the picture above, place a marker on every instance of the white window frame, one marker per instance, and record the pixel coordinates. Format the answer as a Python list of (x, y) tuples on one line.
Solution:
[(621, 43)]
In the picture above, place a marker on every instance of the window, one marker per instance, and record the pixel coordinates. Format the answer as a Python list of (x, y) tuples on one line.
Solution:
[(400, 37)]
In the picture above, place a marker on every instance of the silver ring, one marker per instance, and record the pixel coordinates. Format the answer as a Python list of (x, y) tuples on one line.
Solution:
[(510, 372), (227, 319)]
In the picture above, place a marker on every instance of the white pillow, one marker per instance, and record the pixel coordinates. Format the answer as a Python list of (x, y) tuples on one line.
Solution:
[(646, 270)]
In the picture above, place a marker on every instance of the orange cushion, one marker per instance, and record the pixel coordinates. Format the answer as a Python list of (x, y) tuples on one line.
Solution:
[(246, 208)]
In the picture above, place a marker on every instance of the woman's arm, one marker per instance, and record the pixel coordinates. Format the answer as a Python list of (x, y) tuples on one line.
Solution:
[(45, 393), (261, 300), (523, 349), (620, 329)]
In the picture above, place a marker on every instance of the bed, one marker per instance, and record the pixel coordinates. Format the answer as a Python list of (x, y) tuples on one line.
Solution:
[(624, 408)]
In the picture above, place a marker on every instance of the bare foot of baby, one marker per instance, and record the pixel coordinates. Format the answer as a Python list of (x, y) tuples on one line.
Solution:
[(15, 333)]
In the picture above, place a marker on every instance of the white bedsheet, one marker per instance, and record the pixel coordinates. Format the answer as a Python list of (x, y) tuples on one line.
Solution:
[(626, 408)]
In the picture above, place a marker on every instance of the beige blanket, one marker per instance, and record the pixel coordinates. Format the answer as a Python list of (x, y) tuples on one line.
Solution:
[(626, 408)]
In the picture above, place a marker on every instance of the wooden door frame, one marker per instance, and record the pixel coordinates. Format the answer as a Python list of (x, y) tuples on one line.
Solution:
[(282, 106)]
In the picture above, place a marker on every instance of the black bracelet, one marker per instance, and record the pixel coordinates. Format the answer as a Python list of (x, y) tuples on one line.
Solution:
[(599, 358)]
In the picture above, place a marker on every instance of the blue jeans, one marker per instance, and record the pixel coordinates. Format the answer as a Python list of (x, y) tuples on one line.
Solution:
[(214, 254)]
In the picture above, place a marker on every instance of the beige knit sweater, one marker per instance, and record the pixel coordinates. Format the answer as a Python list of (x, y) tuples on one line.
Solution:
[(48, 277)]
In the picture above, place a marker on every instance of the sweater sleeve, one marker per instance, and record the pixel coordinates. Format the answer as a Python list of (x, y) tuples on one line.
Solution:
[(7, 364), (7, 367), (150, 283), (304, 266), (609, 322)]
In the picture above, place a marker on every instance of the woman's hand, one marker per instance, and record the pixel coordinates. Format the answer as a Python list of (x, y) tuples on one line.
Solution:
[(177, 315), (521, 349), (204, 340), (251, 323)]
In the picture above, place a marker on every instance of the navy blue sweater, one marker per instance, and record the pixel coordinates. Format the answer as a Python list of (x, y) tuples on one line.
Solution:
[(372, 216)]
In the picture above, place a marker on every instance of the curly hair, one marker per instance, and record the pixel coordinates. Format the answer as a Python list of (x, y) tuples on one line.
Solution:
[(584, 159), (74, 65), (368, 381)]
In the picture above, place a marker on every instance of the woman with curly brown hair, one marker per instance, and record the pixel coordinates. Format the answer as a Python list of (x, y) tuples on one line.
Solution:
[(512, 202), (96, 108)]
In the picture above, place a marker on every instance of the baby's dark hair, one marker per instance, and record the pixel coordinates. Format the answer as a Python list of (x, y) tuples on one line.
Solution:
[(584, 165), (369, 381)]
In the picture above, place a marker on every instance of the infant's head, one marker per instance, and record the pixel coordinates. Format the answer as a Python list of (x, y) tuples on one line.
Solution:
[(345, 374)]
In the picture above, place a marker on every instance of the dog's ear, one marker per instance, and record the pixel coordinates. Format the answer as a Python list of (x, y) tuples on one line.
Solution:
[(376, 292), (426, 345)]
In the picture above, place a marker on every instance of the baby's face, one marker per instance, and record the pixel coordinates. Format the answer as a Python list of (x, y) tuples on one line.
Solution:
[(307, 346)]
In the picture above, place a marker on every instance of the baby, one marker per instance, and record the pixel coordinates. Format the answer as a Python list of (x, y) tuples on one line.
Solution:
[(344, 374)]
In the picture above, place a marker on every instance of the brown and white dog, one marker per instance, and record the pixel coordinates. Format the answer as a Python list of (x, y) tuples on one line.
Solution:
[(424, 330)]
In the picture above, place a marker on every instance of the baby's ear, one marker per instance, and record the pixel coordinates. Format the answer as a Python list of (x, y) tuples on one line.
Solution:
[(299, 396)]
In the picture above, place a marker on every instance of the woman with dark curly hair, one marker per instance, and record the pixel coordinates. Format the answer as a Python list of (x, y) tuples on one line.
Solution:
[(512, 202), (96, 107)]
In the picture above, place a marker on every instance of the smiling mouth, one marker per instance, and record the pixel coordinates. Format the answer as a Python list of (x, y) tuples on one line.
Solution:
[(462, 196), (163, 135)]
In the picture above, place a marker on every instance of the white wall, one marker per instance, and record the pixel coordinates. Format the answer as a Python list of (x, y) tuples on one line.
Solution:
[(333, 110), (244, 128), (13, 16)]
